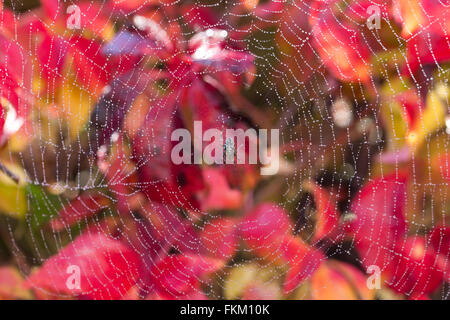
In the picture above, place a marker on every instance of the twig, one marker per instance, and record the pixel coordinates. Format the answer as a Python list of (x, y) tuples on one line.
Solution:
[(8, 172)]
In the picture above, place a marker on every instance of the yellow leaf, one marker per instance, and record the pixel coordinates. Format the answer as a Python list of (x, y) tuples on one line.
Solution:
[(433, 117), (12, 195), (136, 115), (395, 124), (76, 105), (413, 15), (253, 280), (239, 278), (339, 281)]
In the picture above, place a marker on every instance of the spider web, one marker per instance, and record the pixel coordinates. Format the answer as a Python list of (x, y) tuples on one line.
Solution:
[(330, 85)]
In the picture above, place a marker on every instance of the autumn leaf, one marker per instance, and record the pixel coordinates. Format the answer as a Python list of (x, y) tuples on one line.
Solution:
[(327, 215), (264, 228), (219, 195), (13, 193), (439, 238), (415, 269), (339, 281), (178, 275), (12, 285), (79, 209), (380, 220), (220, 239), (251, 281), (107, 269), (302, 259)]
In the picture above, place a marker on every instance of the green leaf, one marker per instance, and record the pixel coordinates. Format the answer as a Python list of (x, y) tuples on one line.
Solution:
[(43, 205)]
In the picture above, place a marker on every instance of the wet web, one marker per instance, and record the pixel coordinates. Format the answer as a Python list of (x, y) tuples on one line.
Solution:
[(336, 108)]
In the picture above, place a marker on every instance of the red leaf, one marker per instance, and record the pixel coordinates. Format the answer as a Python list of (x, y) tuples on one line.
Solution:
[(179, 275), (8, 87), (140, 236), (380, 223), (425, 23), (219, 237), (12, 77), (303, 261), (92, 69), (188, 182), (442, 165), (12, 285), (82, 207), (421, 15), (152, 148), (340, 46), (270, 9), (94, 17), (202, 17), (52, 9), (13, 57), (120, 174), (52, 55), (327, 214), (339, 281), (170, 229), (2, 120), (205, 103), (299, 57), (8, 21), (264, 228), (427, 48), (415, 269), (108, 269), (412, 106), (162, 180), (220, 195), (440, 241)]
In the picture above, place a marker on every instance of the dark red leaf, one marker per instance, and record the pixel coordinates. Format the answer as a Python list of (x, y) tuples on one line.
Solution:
[(127, 6), (161, 179)]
